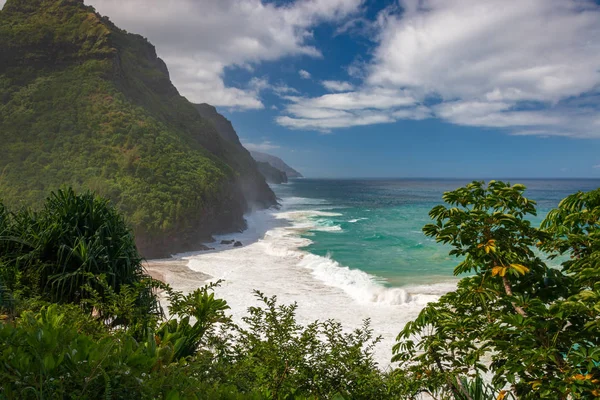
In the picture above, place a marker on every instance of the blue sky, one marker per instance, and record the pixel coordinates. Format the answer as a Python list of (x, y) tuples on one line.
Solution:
[(409, 88)]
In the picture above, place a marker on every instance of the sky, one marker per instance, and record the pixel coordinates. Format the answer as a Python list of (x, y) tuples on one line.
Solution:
[(391, 88)]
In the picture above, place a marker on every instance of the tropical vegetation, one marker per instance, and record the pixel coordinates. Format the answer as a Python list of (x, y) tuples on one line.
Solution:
[(532, 328), (86, 104), (81, 319)]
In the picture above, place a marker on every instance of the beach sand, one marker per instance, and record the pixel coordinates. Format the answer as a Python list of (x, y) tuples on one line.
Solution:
[(176, 273)]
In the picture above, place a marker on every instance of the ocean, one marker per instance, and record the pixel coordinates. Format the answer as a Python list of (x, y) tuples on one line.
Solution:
[(350, 250)]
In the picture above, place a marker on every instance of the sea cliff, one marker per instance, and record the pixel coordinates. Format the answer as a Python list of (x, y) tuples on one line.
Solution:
[(88, 105)]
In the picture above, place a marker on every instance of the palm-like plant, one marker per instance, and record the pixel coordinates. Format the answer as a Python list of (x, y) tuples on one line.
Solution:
[(72, 239)]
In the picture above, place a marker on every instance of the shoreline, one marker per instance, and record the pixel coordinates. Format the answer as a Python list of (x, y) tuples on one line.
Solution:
[(272, 260), (175, 272)]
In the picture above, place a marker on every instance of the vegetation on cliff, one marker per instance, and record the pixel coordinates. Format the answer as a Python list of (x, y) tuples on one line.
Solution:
[(80, 319), (225, 129), (88, 105)]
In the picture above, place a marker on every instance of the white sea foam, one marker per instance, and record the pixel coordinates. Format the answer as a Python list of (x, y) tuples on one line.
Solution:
[(272, 261), (352, 221)]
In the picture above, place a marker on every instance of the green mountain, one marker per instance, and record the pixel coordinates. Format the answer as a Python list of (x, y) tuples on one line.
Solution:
[(86, 104), (223, 125), (225, 129)]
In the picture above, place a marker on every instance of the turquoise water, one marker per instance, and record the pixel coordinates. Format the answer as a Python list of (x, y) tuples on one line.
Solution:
[(378, 224)]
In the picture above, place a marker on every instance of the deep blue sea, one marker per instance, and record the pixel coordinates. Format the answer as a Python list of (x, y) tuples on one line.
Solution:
[(374, 225)]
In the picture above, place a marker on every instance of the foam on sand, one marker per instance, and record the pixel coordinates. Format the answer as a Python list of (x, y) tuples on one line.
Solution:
[(272, 261)]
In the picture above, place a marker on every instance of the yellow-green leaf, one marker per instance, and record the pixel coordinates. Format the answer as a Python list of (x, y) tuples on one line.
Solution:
[(521, 269)]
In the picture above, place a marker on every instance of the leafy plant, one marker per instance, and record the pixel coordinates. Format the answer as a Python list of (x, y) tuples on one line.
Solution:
[(184, 336), (514, 316), (274, 355), (64, 246)]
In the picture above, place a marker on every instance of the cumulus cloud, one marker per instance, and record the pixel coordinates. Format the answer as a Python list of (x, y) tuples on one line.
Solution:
[(519, 65), (199, 39), (304, 74), (264, 146), (337, 86)]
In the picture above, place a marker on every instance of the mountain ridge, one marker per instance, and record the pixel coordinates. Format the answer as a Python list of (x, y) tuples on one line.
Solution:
[(276, 162), (89, 105)]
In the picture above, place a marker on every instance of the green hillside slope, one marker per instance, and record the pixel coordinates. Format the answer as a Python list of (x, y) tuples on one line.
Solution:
[(85, 104)]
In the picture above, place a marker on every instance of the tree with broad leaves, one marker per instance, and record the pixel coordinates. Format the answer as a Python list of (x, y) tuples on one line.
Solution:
[(533, 328)]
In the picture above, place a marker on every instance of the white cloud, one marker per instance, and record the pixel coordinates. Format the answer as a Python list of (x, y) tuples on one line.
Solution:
[(304, 74), (333, 122), (264, 146), (511, 64), (198, 39), (283, 89), (339, 110), (337, 86)]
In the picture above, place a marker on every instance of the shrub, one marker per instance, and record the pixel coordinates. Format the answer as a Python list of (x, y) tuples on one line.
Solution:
[(534, 327)]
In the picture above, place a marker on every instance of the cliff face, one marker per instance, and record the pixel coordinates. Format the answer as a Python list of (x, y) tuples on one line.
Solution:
[(253, 175), (223, 125), (85, 104), (272, 174), (276, 162)]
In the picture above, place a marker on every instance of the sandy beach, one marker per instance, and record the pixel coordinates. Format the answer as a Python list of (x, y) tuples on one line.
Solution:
[(176, 273)]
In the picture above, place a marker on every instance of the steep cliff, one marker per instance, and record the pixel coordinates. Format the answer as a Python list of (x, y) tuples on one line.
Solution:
[(272, 174), (225, 129), (86, 104), (276, 162), (223, 125)]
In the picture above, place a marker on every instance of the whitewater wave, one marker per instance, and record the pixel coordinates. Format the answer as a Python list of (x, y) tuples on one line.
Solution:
[(353, 221), (361, 286), (272, 261)]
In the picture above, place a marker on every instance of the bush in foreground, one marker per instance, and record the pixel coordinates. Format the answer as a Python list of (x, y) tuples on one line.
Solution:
[(535, 329)]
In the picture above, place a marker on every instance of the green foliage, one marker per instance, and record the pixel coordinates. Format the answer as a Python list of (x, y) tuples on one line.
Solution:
[(73, 239), (187, 337), (60, 352), (134, 308), (88, 324), (533, 327), (276, 356), (45, 356)]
